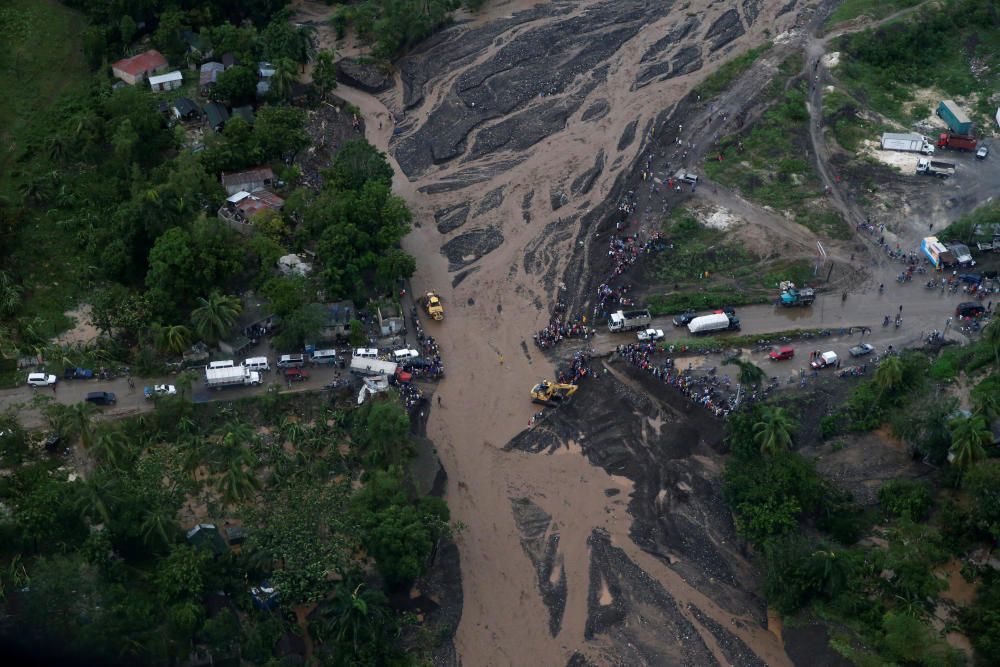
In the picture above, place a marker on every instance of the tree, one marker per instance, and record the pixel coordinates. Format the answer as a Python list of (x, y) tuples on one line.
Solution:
[(10, 294), (301, 326), (79, 422), (237, 85), (358, 621), (181, 575), (173, 339), (237, 483), (402, 537), (991, 334), (94, 498), (773, 434), (279, 131), (355, 164), (126, 29), (168, 37), (750, 373), (325, 72), (111, 447), (889, 375), (286, 74), (384, 432), (393, 265), (982, 482), (215, 316), (969, 438), (986, 398), (159, 526)]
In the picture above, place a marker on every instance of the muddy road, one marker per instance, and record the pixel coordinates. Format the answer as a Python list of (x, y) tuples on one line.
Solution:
[(597, 536)]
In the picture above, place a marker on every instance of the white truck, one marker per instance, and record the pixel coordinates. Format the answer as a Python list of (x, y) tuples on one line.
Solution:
[(913, 143), (711, 323), (927, 167), (629, 320), (235, 376), (368, 366)]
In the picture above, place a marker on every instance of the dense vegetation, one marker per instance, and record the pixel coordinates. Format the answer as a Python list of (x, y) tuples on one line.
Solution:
[(393, 26), (876, 576), (96, 563), (952, 47), (102, 190)]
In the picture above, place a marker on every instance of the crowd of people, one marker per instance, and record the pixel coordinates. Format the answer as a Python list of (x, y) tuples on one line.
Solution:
[(708, 391), (578, 369)]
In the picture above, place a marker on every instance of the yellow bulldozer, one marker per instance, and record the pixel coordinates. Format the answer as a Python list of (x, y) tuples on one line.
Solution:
[(432, 304), (552, 393)]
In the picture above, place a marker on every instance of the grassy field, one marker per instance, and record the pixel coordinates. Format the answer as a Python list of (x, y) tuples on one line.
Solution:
[(876, 9), (40, 60), (720, 79)]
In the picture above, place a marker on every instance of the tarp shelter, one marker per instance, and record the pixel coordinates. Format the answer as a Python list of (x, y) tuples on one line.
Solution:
[(206, 536)]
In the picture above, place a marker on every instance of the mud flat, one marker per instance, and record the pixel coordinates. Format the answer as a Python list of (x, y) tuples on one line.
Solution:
[(597, 536)]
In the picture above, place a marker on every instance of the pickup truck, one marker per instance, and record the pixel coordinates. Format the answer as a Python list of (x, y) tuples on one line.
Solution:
[(650, 335), (159, 390), (862, 350), (824, 360)]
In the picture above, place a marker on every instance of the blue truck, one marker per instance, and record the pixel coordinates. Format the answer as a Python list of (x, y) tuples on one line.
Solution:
[(958, 121)]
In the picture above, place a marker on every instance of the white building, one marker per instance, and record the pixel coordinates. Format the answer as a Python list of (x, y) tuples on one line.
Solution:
[(168, 81)]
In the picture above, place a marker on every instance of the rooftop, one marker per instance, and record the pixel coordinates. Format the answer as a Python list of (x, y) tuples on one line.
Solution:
[(258, 175), (164, 78), (141, 63)]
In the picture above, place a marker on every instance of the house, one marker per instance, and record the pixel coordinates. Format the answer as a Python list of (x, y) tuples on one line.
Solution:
[(390, 320), (206, 536), (217, 116), (293, 265), (338, 320), (266, 70), (138, 67), (244, 112), (240, 208), (209, 73), (168, 81), (185, 109), (248, 181), (228, 59)]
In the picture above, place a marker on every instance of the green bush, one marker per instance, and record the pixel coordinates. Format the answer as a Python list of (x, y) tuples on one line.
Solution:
[(906, 498)]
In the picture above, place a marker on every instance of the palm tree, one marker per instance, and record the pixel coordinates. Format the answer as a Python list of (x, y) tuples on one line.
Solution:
[(750, 373), (773, 434), (292, 430), (237, 482), (95, 496), (215, 316), (10, 294), (111, 447), (969, 438), (831, 569), (173, 339), (285, 75), (186, 380), (305, 44), (986, 398), (358, 615), (889, 375), (79, 421), (56, 146), (991, 334), (158, 526)]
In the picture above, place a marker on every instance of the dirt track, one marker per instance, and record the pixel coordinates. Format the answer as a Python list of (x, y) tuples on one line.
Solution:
[(597, 537)]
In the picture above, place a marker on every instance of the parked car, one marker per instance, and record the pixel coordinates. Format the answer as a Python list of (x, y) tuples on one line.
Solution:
[(983, 151), (41, 379), (296, 374), (862, 350), (160, 390), (78, 374), (685, 317), (101, 398), (51, 442), (971, 278), (650, 335), (782, 354)]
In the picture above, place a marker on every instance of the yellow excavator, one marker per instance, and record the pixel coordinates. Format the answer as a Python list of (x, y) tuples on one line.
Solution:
[(432, 304), (552, 393)]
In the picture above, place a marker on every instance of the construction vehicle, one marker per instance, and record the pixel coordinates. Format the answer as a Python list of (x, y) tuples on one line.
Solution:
[(934, 168), (551, 393), (792, 296), (432, 304)]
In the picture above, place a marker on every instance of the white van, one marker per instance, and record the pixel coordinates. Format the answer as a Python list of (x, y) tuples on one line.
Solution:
[(258, 364), (291, 361), (403, 355), (366, 353), (229, 363), (324, 357)]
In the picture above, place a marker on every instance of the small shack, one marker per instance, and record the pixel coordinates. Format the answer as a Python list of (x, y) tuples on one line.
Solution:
[(216, 114), (185, 109), (206, 536)]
